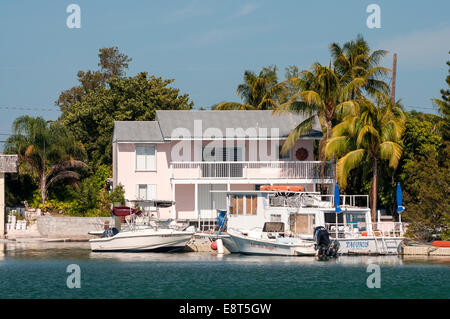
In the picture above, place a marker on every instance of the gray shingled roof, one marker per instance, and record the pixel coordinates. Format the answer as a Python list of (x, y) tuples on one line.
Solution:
[(169, 120), (137, 131)]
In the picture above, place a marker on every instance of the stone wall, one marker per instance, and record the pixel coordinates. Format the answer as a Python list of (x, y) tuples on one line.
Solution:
[(76, 228), (426, 250)]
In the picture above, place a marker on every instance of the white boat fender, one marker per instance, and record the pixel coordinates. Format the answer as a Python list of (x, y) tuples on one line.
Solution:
[(219, 246)]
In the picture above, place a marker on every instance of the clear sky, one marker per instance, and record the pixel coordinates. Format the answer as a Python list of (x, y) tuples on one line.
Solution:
[(207, 45)]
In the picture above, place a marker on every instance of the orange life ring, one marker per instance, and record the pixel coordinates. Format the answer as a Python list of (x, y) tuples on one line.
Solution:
[(282, 188)]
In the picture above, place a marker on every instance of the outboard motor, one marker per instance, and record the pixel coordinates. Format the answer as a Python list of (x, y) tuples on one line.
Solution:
[(325, 246), (110, 232)]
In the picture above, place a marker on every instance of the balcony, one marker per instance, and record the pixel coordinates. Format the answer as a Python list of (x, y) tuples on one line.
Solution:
[(252, 170)]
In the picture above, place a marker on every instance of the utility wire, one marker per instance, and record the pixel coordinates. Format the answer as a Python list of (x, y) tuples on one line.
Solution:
[(22, 108)]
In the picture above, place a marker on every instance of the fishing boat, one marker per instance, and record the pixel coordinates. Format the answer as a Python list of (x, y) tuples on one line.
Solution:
[(143, 231), (264, 242), (350, 231)]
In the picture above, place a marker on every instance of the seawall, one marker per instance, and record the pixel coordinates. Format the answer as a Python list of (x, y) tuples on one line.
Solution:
[(426, 250), (75, 228)]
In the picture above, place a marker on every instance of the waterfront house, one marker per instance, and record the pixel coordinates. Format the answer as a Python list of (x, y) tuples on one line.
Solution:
[(188, 156)]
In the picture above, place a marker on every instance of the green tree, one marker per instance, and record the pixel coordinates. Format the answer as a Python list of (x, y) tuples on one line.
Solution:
[(319, 92), (354, 61), (370, 134), (112, 63), (137, 98), (46, 150), (427, 196), (324, 89), (444, 107), (258, 92)]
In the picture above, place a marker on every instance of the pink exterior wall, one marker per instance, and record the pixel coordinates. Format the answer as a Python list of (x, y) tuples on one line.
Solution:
[(129, 177), (185, 201), (126, 174)]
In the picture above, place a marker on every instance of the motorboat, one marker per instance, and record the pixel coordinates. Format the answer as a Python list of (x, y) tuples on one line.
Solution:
[(352, 231), (273, 242), (143, 231)]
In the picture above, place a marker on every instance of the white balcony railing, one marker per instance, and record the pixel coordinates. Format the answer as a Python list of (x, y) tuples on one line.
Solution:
[(252, 170)]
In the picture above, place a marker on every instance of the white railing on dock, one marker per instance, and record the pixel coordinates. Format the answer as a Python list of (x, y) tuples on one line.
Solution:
[(263, 169)]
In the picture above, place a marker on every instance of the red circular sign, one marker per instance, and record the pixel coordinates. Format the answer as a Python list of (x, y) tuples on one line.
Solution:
[(301, 154)]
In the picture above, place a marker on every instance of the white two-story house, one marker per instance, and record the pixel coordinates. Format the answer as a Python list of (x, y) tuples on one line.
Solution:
[(188, 156)]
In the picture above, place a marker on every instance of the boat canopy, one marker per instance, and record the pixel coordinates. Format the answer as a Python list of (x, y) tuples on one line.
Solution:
[(153, 202), (124, 211)]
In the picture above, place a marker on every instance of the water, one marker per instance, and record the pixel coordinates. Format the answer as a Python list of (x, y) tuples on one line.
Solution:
[(39, 271)]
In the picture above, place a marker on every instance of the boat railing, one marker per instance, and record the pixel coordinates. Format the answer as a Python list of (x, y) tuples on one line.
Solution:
[(362, 229), (315, 199)]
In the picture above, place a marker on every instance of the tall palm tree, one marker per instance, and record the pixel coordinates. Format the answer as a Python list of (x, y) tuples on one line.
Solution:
[(367, 133), (258, 92), (46, 150), (319, 92), (355, 61)]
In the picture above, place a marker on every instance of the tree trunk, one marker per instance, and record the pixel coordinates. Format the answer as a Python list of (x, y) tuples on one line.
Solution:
[(373, 207), (42, 184)]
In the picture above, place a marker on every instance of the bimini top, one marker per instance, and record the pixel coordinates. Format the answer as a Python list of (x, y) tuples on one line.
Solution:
[(153, 202), (124, 211)]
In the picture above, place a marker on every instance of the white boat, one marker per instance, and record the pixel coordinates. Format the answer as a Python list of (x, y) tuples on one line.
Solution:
[(301, 212), (143, 232), (147, 239), (264, 243)]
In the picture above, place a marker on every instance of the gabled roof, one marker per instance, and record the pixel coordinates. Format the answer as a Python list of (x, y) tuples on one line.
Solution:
[(256, 121), (253, 124), (137, 131)]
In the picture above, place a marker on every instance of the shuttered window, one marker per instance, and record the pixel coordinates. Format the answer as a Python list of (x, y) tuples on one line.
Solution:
[(145, 158), (243, 204), (145, 191)]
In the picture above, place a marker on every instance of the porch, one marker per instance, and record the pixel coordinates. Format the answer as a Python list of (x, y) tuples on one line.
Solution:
[(307, 170)]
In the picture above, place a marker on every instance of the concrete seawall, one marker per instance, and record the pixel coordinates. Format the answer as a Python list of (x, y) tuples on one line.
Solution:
[(426, 250), (75, 228)]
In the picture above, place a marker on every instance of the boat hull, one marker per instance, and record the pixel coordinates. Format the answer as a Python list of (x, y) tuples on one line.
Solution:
[(370, 246), (145, 240), (253, 246)]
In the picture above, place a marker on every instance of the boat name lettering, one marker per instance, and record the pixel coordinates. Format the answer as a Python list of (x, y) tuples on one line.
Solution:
[(357, 244)]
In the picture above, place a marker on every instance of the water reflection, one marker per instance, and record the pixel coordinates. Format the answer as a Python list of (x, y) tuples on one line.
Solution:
[(81, 251)]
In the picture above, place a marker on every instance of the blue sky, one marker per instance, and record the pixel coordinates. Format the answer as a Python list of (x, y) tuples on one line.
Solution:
[(206, 45)]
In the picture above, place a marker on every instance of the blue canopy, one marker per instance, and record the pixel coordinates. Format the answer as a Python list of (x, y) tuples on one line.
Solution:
[(337, 199), (400, 208)]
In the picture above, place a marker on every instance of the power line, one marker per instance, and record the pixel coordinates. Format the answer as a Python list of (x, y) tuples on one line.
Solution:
[(22, 108)]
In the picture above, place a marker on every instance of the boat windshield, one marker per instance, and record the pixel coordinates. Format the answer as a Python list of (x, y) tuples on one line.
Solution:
[(273, 227)]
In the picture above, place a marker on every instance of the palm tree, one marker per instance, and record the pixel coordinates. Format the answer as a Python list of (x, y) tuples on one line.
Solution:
[(319, 92), (370, 134), (46, 150), (258, 92), (355, 62)]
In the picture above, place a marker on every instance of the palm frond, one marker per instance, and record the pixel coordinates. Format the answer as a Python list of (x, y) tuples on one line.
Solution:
[(348, 162)]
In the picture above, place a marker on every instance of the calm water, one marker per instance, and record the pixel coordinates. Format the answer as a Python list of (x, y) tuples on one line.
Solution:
[(39, 271)]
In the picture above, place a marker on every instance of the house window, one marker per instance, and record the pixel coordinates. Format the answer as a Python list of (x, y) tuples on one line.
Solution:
[(145, 191), (284, 157), (145, 158), (243, 205)]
